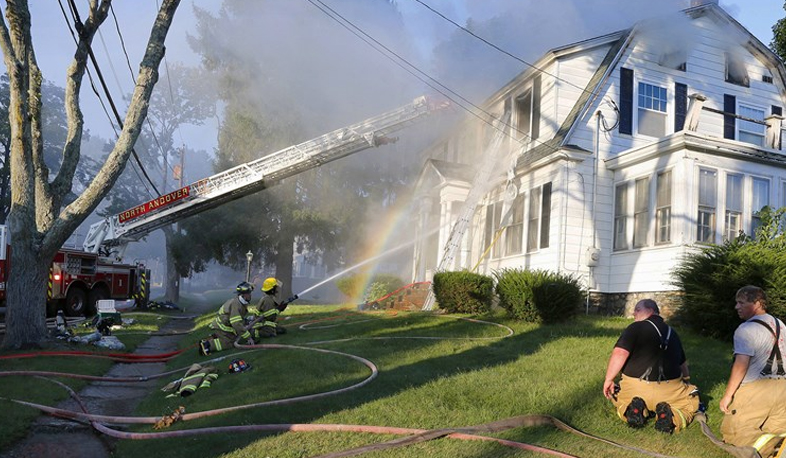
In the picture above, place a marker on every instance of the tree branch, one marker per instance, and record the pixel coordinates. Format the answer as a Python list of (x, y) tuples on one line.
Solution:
[(77, 211)]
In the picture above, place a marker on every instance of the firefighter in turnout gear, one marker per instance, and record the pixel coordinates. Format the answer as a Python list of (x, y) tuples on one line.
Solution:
[(268, 310), (229, 324)]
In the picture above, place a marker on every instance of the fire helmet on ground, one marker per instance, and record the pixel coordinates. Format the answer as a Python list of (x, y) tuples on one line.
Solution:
[(270, 283), (244, 288)]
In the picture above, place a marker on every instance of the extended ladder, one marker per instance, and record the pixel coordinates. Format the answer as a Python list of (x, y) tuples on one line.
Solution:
[(480, 187), (252, 177)]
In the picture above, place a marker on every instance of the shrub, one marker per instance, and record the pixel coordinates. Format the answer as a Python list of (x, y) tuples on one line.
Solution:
[(379, 285), (538, 296), (463, 292), (711, 278)]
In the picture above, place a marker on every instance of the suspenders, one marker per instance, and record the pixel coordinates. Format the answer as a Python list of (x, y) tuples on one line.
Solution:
[(775, 354), (664, 344)]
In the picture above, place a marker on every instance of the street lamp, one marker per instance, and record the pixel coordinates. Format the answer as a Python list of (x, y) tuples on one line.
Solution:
[(249, 257)]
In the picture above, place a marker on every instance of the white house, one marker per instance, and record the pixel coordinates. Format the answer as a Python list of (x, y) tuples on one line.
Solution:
[(629, 150)]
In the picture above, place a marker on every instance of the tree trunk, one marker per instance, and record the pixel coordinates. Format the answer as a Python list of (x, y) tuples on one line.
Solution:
[(172, 290), (284, 258), (26, 299)]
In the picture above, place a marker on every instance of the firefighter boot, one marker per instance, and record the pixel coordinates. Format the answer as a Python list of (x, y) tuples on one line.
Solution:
[(204, 347)]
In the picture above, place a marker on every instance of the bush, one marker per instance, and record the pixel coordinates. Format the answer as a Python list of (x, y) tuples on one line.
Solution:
[(379, 285), (711, 278), (538, 296), (463, 292)]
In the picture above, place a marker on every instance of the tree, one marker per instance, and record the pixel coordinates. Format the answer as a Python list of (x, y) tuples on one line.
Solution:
[(40, 220), (273, 100), (778, 44), (188, 102)]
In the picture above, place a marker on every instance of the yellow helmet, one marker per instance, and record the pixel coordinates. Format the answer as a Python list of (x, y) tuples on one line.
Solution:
[(269, 284)]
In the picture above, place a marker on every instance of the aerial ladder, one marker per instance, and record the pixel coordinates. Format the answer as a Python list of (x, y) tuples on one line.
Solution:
[(480, 184), (110, 236)]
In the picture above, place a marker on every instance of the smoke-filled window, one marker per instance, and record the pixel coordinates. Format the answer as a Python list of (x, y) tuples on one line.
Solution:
[(652, 110), (736, 72)]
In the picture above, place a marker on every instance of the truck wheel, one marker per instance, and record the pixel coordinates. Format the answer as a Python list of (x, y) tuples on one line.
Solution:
[(92, 300), (75, 303)]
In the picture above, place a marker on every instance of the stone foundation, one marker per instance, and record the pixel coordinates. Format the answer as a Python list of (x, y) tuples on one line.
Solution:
[(621, 304)]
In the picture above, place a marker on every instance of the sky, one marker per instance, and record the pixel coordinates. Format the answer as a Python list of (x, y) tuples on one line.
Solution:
[(54, 46)]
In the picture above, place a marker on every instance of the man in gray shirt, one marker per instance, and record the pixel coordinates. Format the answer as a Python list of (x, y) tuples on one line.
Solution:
[(755, 397)]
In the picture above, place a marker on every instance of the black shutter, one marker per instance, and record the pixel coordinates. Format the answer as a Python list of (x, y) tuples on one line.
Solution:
[(729, 122), (680, 105), (778, 111), (626, 101), (536, 83)]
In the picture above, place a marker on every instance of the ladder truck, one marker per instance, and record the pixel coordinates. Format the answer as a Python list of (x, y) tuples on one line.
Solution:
[(80, 278)]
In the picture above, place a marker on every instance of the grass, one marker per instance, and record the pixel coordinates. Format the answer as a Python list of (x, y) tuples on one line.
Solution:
[(422, 383), (556, 370)]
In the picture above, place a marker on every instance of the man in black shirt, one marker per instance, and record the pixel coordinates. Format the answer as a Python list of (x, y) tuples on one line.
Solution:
[(654, 373)]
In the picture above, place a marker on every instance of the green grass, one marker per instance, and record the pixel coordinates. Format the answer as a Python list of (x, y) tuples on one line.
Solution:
[(423, 383), (15, 420), (556, 370)]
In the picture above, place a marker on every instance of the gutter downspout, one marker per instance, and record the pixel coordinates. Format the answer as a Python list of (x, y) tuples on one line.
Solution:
[(596, 159)]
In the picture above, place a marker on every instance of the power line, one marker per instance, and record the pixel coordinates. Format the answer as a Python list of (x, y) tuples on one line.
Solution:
[(357, 31), (95, 91), (78, 22)]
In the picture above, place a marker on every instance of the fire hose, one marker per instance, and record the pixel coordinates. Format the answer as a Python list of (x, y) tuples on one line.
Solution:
[(414, 435)]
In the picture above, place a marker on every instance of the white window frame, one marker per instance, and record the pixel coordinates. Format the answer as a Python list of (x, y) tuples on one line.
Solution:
[(758, 201), (655, 101), (747, 131), (621, 215), (663, 203), (641, 212), (707, 208), (732, 220)]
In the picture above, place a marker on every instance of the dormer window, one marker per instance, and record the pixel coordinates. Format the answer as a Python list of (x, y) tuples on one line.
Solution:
[(736, 72)]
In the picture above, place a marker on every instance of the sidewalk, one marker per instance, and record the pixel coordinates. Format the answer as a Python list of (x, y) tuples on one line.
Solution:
[(54, 437)]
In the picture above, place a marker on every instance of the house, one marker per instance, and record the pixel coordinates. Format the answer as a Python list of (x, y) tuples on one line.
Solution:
[(624, 153)]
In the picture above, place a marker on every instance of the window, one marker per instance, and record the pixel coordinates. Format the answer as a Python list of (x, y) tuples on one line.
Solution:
[(524, 115), (641, 213), (736, 73), (733, 219), (528, 111), (761, 199), (652, 110), (705, 223), (514, 233), (545, 216), (621, 217), (493, 218), (534, 220), (749, 131), (663, 208)]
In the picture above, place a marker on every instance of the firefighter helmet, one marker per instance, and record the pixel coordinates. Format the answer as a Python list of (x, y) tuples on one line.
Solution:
[(244, 288), (269, 284)]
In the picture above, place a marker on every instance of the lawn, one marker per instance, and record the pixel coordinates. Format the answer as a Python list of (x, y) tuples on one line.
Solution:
[(472, 375)]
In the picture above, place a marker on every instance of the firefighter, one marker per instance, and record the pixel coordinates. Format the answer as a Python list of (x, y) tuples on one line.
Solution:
[(229, 325), (268, 310)]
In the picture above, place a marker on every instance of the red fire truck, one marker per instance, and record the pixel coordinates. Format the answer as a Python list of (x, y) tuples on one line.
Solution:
[(80, 278)]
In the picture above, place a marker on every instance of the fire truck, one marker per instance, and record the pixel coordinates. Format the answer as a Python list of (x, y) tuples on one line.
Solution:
[(80, 278)]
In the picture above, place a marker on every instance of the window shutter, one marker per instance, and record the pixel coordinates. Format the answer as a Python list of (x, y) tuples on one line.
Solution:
[(626, 101), (778, 111), (729, 122), (536, 83), (545, 216), (680, 105)]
